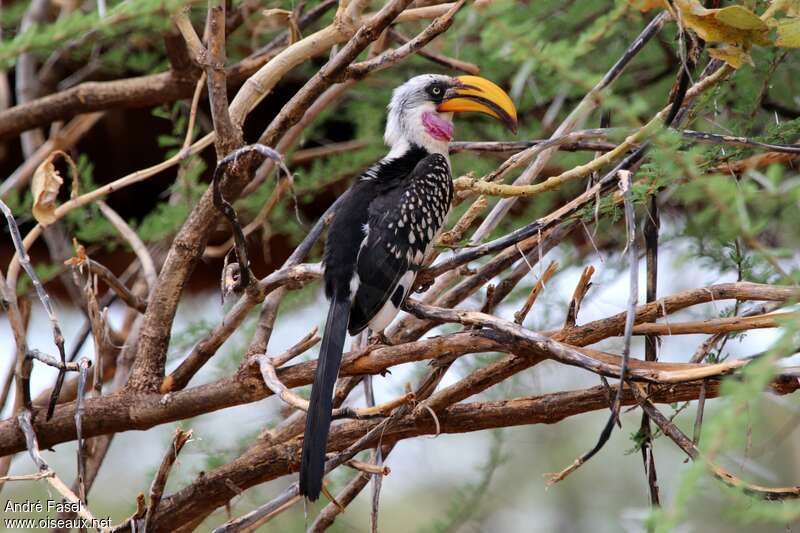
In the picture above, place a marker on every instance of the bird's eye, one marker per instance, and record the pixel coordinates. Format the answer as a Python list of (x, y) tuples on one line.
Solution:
[(436, 90)]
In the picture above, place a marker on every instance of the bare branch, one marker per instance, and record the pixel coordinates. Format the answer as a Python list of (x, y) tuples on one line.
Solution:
[(577, 297), (180, 438), (274, 384), (450, 62), (58, 337), (684, 443), (24, 420), (573, 120), (229, 135), (263, 463), (115, 284), (139, 248)]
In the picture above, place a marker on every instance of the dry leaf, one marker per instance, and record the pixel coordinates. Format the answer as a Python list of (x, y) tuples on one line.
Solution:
[(45, 185), (790, 7), (788, 33), (80, 256), (732, 55), (231, 273), (647, 5), (739, 17), (735, 25)]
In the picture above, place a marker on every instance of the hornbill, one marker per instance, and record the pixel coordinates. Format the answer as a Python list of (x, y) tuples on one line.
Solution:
[(384, 226)]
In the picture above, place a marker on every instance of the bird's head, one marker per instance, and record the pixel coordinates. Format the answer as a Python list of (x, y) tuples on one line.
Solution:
[(421, 110)]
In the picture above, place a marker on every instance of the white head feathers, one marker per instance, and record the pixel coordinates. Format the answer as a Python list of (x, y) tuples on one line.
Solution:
[(404, 124)]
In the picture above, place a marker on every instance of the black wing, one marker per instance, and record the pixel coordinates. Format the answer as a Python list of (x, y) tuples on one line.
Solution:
[(402, 223)]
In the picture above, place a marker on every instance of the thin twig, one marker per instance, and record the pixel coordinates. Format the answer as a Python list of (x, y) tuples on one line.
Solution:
[(179, 439), (369, 468), (300, 347), (449, 62), (577, 296), (28, 477), (25, 261), (589, 102), (377, 459), (575, 142), (24, 421), (274, 384), (129, 523), (114, 283), (633, 295), (685, 444), (80, 452), (198, 90), (49, 360), (65, 139), (139, 248), (519, 316), (698, 420), (651, 229)]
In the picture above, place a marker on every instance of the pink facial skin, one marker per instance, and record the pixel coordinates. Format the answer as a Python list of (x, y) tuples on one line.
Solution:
[(437, 127)]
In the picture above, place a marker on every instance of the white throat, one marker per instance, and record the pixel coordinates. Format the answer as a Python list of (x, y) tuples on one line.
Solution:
[(403, 130)]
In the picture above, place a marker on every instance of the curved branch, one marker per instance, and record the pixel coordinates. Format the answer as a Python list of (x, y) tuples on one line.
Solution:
[(263, 463)]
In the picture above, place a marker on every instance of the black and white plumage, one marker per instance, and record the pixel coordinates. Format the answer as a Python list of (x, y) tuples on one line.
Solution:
[(402, 218), (383, 229)]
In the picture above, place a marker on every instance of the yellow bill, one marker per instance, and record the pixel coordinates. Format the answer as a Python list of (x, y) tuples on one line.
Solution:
[(474, 93)]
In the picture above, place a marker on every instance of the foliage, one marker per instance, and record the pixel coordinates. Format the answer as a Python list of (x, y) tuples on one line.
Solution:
[(725, 430), (142, 15)]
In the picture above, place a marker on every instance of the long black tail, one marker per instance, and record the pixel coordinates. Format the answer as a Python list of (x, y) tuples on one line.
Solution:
[(318, 422)]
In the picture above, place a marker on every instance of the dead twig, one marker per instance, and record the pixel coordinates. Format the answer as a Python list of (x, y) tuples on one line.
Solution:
[(716, 326), (303, 345), (137, 515), (577, 296), (274, 384), (24, 422), (633, 294), (114, 283), (139, 248), (227, 209), (369, 468), (698, 420), (684, 443), (80, 452), (49, 360), (179, 439), (377, 457), (58, 337), (449, 62), (519, 316)]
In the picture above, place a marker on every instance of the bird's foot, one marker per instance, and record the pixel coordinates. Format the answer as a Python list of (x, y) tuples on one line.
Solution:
[(379, 338)]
